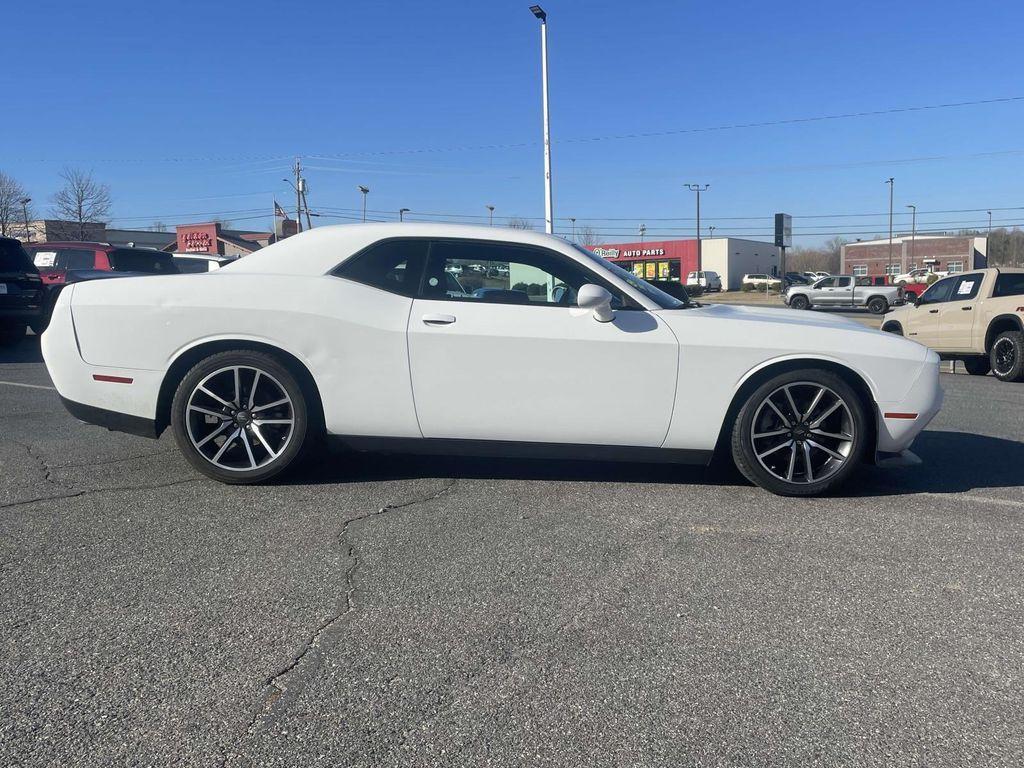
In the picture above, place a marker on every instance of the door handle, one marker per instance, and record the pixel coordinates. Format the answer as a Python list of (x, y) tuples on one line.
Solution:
[(438, 319), (933, 311), (966, 309)]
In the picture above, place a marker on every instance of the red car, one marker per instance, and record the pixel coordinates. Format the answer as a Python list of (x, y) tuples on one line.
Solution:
[(55, 260)]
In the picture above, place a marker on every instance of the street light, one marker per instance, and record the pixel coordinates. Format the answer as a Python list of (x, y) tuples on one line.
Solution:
[(365, 191), (28, 234), (643, 231), (401, 213), (549, 218), (990, 223), (573, 222), (490, 215), (913, 233), (698, 188), (892, 185), (711, 231)]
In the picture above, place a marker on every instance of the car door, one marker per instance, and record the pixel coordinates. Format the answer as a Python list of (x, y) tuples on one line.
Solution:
[(824, 292), (511, 357), (955, 322), (843, 294), (923, 321)]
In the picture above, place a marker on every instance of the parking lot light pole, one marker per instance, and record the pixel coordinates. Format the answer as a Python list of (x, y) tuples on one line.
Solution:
[(888, 270), (989, 223), (401, 213), (28, 235), (572, 221), (643, 231), (490, 215), (698, 188), (365, 191), (913, 233), (549, 220)]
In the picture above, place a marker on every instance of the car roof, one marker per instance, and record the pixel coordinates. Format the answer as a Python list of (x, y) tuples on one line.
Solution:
[(90, 245), (317, 251)]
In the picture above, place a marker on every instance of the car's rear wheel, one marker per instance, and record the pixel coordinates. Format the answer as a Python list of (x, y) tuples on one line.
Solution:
[(11, 333), (1007, 356), (878, 305), (977, 366), (801, 433), (240, 417), (799, 302)]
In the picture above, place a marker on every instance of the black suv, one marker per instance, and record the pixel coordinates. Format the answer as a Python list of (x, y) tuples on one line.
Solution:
[(22, 296)]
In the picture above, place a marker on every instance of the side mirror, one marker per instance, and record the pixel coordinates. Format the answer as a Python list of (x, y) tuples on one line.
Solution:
[(598, 300)]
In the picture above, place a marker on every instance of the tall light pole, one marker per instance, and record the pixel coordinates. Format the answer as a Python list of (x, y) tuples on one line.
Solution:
[(711, 232), (572, 221), (698, 188), (913, 234), (490, 215), (891, 183), (990, 223), (643, 231), (365, 191), (549, 217), (401, 213), (24, 212)]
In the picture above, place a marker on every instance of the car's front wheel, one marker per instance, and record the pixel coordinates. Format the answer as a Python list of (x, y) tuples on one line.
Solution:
[(240, 417), (799, 302), (801, 433), (1007, 356), (977, 366)]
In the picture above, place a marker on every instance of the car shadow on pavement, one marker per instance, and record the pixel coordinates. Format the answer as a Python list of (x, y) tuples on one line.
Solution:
[(26, 351), (953, 462)]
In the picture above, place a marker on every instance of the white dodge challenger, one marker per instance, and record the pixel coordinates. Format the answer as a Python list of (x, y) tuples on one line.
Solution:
[(456, 339)]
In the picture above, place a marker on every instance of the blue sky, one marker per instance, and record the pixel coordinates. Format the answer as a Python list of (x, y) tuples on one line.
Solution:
[(191, 109)]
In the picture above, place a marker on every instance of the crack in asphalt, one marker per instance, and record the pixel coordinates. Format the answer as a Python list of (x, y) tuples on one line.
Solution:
[(44, 467), (276, 681), (90, 491)]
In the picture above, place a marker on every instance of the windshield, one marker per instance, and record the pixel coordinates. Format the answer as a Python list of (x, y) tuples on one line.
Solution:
[(659, 297), (152, 262), (13, 257)]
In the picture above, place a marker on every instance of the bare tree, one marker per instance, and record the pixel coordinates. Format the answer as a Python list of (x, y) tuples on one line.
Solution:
[(81, 201), (518, 222), (158, 226), (12, 211), (587, 236)]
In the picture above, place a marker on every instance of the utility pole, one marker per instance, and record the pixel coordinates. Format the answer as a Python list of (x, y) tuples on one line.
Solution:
[(28, 233), (913, 234), (698, 188), (490, 215), (365, 190), (888, 273), (549, 217), (643, 231), (298, 194), (572, 221)]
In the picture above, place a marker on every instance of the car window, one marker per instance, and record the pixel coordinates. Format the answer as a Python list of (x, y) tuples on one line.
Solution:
[(496, 273), (141, 260), (76, 258), (966, 288), (44, 259), (844, 282), (939, 291), (1009, 284), (190, 266), (13, 257), (828, 282), (391, 265)]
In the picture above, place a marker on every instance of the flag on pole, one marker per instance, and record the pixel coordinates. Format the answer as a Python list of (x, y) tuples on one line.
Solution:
[(279, 211)]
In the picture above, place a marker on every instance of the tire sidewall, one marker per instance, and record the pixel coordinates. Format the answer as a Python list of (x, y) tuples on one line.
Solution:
[(1016, 373), (743, 451), (268, 364), (878, 306), (800, 302)]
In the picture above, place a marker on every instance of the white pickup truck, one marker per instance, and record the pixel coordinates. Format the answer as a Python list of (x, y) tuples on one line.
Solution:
[(843, 291)]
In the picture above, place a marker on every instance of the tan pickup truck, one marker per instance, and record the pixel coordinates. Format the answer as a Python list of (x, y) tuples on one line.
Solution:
[(975, 316)]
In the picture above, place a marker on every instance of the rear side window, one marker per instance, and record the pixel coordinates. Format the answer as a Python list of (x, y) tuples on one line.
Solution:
[(1009, 284), (137, 260), (188, 266), (13, 257), (966, 288), (392, 265), (76, 258)]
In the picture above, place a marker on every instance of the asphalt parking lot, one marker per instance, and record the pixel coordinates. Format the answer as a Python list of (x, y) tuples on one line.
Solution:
[(386, 611)]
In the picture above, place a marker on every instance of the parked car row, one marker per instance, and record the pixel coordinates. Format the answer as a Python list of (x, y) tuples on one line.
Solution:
[(844, 291)]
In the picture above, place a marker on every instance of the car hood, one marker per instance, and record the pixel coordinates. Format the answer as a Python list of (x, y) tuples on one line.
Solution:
[(778, 316)]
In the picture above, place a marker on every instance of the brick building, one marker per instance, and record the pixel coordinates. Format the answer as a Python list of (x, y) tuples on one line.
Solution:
[(943, 253)]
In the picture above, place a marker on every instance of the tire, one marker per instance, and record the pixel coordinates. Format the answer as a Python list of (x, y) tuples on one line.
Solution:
[(977, 366), (878, 305), (893, 328), (1007, 356), (261, 440), (800, 302), (11, 334), (779, 463)]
